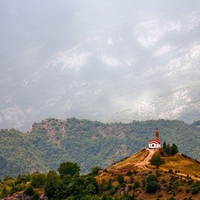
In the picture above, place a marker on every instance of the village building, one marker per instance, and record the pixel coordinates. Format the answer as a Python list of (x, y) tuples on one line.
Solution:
[(156, 143)]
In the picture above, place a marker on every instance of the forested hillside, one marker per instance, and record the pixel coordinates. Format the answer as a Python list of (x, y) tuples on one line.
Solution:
[(88, 143)]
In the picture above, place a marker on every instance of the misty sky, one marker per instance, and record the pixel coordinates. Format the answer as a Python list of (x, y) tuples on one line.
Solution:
[(93, 59)]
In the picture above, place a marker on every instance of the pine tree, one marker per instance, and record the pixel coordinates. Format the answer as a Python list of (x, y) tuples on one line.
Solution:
[(164, 146), (174, 149)]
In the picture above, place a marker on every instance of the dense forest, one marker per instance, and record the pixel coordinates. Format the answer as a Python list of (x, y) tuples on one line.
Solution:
[(87, 143)]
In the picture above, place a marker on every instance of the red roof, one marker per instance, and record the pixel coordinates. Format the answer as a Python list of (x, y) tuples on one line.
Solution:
[(155, 141)]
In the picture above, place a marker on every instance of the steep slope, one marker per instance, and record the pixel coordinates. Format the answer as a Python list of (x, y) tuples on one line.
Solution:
[(17, 155)]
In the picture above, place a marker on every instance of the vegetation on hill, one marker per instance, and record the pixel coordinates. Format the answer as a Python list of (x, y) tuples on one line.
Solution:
[(87, 143), (174, 179), (125, 180)]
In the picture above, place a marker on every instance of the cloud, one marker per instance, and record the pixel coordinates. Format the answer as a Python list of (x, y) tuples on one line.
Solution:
[(150, 32), (195, 51), (70, 59), (110, 41), (110, 61), (163, 50)]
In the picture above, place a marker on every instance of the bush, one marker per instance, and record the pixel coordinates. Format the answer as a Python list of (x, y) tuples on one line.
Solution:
[(152, 187), (136, 185), (156, 160), (68, 168), (152, 184), (120, 179), (151, 177), (35, 197), (29, 191), (129, 173)]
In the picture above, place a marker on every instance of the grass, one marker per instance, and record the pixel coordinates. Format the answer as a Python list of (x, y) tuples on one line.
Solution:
[(128, 164), (171, 184), (183, 166)]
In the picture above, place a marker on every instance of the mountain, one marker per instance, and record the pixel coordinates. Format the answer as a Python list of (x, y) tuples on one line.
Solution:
[(109, 61), (88, 143)]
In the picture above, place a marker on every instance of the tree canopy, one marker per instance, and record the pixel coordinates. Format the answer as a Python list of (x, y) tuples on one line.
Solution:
[(68, 168)]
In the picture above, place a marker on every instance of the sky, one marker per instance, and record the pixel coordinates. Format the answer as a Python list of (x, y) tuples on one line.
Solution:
[(102, 60)]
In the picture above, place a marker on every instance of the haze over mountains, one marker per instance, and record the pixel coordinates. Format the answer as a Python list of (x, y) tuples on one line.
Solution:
[(109, 61)]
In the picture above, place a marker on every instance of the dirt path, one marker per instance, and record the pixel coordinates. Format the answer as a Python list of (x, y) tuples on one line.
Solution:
[(146, 160)]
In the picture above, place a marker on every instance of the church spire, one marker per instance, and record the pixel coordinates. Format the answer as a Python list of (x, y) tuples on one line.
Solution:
[(156, 134)]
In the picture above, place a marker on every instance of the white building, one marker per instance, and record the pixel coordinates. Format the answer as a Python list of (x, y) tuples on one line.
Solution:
[(156, 143)]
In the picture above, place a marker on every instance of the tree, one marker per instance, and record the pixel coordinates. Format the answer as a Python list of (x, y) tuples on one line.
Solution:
[(174, 149), (168, 150), (68, 168), (151, 177), (151, 184), (38, 180), (120, 179), (136, 185), (164, 146), (152, 187), (52, 184), (95, 170), (156, 160), (29, 191)]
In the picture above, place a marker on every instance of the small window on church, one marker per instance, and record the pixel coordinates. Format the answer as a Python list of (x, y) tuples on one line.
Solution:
[(152, 145)]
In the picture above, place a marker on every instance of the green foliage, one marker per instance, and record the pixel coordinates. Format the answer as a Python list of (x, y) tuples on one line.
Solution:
[(129, 173), (174, 149), (51, 184), (68, 168), (136, 185), (151, 185), (151, 177), (170, 150), (53, 141), (95, 170), (36, 196), (120, 179), (156, 160), (195, 188), (105, 196), (38, 180), (85, 187), (29, 191)]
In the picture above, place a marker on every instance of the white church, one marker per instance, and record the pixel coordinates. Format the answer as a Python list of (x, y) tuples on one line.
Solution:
[(156, 143)]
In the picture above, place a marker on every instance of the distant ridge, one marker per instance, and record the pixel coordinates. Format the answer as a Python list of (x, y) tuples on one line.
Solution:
[(87, 143)]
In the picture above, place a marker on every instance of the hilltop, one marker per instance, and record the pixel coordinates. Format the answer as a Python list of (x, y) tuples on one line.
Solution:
[(88, 143), (176, 178)]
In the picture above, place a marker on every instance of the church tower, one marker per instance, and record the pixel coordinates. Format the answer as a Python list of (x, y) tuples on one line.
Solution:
[(156, 143)]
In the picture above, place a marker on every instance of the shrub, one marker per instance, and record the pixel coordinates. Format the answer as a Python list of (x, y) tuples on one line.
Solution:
[(120, 179), (29, 191), (151, 177), (152, 184), (156, 160), (129, 173), (136, 185), (152, 187)]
